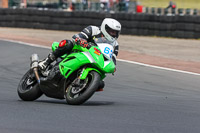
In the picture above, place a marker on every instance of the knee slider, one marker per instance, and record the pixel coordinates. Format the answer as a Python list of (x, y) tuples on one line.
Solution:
[(62, 43)]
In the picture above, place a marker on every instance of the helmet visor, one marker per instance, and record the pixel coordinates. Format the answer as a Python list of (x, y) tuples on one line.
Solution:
[(112, 32)]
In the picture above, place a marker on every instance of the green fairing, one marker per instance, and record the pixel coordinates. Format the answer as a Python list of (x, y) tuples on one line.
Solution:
[(110, 68), (87, 70), (74, 61), (54, 46)]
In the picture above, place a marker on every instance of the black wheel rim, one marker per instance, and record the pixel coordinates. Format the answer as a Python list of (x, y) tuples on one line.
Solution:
[(28, 82), (71, 91)]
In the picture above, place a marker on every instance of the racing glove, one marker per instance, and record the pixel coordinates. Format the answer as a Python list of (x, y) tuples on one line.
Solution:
[(82, 42)]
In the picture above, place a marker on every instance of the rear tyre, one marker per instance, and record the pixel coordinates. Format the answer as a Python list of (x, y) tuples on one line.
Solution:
[(78, 95), (28, 88)]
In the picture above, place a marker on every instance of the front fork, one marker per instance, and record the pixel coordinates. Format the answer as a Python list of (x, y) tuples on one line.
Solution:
[(77, 81), (85, 72)]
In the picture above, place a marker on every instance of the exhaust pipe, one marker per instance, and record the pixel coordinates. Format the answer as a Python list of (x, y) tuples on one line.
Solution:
[(34, 66)]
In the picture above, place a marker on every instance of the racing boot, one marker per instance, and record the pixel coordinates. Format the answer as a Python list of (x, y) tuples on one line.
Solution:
[(46, 62)]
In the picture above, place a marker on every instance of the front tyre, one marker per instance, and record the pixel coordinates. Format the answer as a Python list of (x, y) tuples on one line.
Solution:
[(28, 88), (78, 95)]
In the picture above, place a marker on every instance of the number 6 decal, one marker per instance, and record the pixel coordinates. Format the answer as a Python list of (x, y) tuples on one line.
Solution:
[(107, 50)]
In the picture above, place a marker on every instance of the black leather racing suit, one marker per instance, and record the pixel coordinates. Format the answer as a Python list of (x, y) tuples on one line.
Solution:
[(88, 34)]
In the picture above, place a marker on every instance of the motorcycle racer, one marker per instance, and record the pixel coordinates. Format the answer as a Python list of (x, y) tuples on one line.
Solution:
[(110, 29)]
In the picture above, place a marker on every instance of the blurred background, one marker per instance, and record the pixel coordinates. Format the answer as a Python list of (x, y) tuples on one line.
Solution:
[(131, 6), (165, 18)]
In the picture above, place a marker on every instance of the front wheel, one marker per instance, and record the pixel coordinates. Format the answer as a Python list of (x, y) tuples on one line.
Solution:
[(28, 88), (78, 94)]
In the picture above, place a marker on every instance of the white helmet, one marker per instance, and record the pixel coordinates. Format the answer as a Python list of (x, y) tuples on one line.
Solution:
[(110, 29)]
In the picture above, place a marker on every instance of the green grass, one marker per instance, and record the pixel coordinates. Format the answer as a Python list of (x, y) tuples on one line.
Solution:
[(164, 3)]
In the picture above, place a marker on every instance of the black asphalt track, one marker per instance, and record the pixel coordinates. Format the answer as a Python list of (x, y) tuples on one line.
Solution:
[(137, 99)]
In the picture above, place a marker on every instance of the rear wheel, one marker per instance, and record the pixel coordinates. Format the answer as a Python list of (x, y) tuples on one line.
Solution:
[(80, 91), (28, 88)]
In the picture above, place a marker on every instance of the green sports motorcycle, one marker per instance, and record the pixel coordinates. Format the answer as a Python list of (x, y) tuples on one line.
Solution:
[(74, 77)]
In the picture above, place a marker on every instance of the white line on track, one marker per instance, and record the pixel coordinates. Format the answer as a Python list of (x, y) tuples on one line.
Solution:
[(127, 61), (157, 67)]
